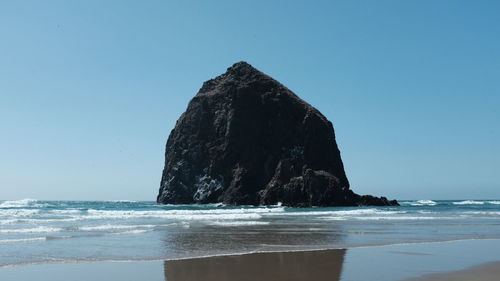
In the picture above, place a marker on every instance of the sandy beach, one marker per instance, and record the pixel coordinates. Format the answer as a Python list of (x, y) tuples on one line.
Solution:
[(459, 260), (293, 266), (483, 272)]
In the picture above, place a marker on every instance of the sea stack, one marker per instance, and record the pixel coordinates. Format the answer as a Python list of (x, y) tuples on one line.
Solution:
[(246, 139)]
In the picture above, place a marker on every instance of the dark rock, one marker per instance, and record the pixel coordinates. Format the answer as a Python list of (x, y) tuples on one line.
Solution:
[(245, 139)]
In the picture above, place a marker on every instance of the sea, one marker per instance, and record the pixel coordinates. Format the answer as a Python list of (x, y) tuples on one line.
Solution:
[(36, 231)]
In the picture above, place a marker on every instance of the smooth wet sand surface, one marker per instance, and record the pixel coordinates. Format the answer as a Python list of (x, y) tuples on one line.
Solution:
[(293, 266), (460, 260), (483, 272)]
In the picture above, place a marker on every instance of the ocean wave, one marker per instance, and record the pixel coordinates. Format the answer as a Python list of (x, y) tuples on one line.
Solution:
[(40, 229), (39, 220), (52, 237), (220, 204), (190, 212), (10, 213), (23, 240), (10, 216), (209, 205), (488, 213), (36, 216), (18, 203), (177, 217), (66, 211), (113, 227), (345, 212), (377, 218), (137, 231), (426, 212), (368, 212), (494, 202), (469, 202), (419, 203), (238, 223), (8, 221), (424, 203), (214, 214)]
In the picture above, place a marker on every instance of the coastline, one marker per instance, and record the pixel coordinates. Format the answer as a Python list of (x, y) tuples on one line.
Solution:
[(34, 231), (412, 262), (234, 254)]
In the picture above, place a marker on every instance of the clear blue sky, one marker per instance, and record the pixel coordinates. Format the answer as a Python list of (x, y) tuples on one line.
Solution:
[(89, 90)]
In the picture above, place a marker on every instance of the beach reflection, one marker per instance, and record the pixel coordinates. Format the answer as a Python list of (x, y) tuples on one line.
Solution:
[(206, 240), (290, 266)]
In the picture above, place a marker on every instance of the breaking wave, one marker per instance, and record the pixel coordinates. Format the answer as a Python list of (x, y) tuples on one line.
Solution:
[(402, 218), (18, 212), (469, 202), (136, 231), (40, 229), (345, 212), (113, 227), (239, 223), (214, 214), (424, 203), (18, 203), (23, 240)]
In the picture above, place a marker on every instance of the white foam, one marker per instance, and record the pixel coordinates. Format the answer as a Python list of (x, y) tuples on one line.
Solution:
[(426, 212), (66, 211), (18, 212), (137, 231), (9, 221), (469, 202), (39, 221), (220, 204), (238, 223), (368, 212), (23, 240), (40, 229), (494, 202), (424, 203), (17, 203), (345, 212), (388, 218), (217, 214), (488, 213), (302, 213), (113, 227)]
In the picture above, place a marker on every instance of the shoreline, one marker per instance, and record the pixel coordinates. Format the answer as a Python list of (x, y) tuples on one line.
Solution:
[(241, 253), (409, 262), (43, 231)]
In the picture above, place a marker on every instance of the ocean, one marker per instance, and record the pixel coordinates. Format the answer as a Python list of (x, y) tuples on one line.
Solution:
[(35, 231)]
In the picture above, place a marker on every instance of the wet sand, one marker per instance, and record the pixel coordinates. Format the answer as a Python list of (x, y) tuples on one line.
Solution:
[(459, 260), (484, 272), (292, 266)]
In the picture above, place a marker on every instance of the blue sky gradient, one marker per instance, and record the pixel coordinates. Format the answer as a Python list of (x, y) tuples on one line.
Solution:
[(89, 90)]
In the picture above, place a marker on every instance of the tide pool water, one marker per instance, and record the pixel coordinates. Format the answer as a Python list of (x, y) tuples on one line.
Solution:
[(33, 231)]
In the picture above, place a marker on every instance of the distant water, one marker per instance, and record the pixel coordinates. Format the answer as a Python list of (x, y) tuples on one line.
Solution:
[(34, 231)]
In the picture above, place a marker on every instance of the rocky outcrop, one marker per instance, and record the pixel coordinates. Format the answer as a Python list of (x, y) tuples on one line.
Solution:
[(245, 139)]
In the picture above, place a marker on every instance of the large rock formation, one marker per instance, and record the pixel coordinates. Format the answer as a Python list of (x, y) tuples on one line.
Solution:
[(245, 139)]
